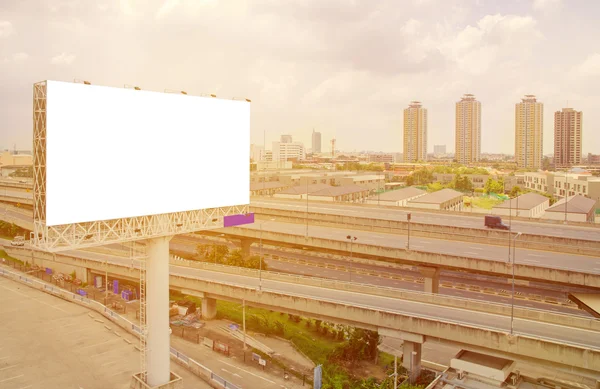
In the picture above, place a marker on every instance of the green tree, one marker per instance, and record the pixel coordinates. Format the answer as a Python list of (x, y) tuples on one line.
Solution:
[(515, 191), (493, 186), (435, 186), (422, 176)]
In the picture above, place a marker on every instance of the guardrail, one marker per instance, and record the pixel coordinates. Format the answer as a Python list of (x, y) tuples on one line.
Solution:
[(386, 291), (195, 367)]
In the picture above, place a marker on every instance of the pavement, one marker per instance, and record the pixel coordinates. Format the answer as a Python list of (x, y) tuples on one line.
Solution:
[(49, 343), (445, 219)]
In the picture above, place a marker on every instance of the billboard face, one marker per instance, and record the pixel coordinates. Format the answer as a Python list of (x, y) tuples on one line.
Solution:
[(115, 153)]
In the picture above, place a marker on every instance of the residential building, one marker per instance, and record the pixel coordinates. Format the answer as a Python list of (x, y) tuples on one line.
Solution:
[(529, 130), (272, 165), (540, 182), (288, 151), (478, 180), (567, 137), (468, 130), (511, 181), (576, 209), (380, 158), (316, 142), (415, 132), (444, 200), (593, 159), (439, 150), (398, 157), (531, 205), (286, 139), (399, 198)]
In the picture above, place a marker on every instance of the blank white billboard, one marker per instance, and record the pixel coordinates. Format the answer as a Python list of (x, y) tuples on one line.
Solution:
[(114, 153)]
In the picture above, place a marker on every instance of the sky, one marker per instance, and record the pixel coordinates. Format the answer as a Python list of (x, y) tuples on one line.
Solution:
[(346, 68)]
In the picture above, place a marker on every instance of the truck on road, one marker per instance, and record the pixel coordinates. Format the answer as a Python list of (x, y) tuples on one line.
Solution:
[(495, 222)]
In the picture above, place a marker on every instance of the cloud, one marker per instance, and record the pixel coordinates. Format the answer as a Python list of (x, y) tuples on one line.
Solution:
[(6, 28), (63, 59), (546, 5), (590, 67), (495, 38), (18, 57)]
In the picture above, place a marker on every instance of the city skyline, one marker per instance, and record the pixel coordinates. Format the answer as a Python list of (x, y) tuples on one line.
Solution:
[(468, 129), (347, 86), (567, 137)]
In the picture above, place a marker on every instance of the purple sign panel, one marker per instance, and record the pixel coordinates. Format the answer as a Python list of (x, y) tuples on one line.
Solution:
[(236, 220)]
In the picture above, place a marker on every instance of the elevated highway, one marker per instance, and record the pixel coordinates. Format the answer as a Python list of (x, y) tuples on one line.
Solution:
[(560, 341), (558, 268), (396, 223), (429, 254), (588, 232)]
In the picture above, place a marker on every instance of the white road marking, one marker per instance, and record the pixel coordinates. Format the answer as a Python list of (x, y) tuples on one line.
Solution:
[(8, 367), (475, 248), (470, 252), (531, 260), (12, 378), (246, 371), (535, 255)]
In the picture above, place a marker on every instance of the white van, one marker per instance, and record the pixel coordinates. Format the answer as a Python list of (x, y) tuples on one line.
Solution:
[(18, 241)]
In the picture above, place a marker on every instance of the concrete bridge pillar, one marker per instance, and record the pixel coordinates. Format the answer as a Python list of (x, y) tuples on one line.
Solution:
[(209, 308), (411, 359), (245, 246), (432, 279)]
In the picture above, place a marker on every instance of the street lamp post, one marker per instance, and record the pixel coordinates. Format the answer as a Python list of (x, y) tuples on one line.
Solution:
[(351, 239), (566, 194), (408, 217), (306, 236), (512, 304)]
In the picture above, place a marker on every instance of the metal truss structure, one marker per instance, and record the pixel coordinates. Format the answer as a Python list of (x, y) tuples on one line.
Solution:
[(90, 234)]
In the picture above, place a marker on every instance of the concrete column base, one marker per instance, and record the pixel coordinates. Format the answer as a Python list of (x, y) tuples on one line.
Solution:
[(411, 359), (209, 308), (245, 246), (432, 279), (176, 382)]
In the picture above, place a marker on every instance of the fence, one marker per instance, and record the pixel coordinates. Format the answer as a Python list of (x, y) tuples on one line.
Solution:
[(182, 359)]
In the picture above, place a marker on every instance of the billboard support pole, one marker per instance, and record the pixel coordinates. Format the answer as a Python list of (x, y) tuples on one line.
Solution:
[(157, 311)]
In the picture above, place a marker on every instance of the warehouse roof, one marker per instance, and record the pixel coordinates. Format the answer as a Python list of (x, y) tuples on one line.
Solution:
[(334, 191), (303, 189), (267, 185), (525, 201), (400, 194), (439, 197), (575, 204)]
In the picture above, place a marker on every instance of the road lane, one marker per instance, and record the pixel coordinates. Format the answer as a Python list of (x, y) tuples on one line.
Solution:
[(563, 261), (445, 219)]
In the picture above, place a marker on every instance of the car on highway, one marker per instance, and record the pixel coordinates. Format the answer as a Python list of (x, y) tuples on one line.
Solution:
[(18, 241), (495, 222)]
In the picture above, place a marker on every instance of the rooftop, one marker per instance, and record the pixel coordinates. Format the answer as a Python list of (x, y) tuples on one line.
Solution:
[(575, 204), (367, 177), (400, 194), (303, 189), (525, 201), (438, 197), (267, 185), (334, 191)]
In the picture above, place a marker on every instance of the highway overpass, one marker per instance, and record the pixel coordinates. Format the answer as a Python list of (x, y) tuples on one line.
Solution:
[(572, 240), (430, 255), (561, 341)]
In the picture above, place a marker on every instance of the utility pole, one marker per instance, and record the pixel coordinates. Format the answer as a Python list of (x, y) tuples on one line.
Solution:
[(244, 322), (512, 305), (306, 237), (408, 217)]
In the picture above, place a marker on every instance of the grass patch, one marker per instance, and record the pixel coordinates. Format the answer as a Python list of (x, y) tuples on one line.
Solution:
[(483, 202), (4, 255), (305, 337)]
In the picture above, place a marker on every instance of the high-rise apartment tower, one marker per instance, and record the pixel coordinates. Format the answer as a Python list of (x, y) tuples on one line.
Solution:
[(567, 137), (529, 131), (316, 142), (415, 132), (468, 130)]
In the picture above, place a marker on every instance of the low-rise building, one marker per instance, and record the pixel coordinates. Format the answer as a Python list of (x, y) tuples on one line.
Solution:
[(299, 191), (445, 200), (267, 188), (540, 181), (344, 193), (478, 180), (530, 205), (379, 158), (516, 180), (369, 181), (576, 209), (8, 158), (399, 197)]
